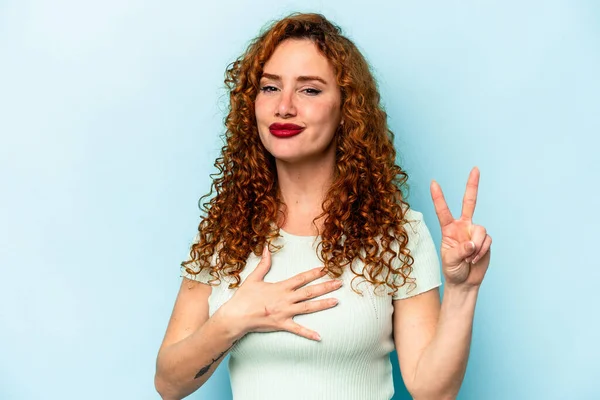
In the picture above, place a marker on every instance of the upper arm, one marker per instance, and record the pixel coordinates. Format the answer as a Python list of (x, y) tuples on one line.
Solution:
[(417, 306), (414, 324), (189, 313)]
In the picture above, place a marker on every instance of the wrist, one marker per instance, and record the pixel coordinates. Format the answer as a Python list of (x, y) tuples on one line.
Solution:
[(460, 295), (461, 288), (231, 326)]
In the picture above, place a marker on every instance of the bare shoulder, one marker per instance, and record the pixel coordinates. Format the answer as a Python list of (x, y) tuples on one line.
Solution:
[(190, 311)]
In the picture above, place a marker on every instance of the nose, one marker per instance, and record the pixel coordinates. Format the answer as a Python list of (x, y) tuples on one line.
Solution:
[(286, 107)]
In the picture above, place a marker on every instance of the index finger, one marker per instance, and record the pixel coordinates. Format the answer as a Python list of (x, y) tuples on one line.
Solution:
[(439, 203), (470, 199), (303, 278)]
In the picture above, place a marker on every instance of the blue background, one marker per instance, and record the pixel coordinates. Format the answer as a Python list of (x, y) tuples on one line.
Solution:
[(111, 113)]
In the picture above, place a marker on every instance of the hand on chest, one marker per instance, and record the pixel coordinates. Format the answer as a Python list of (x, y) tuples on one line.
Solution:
[(354, 326)]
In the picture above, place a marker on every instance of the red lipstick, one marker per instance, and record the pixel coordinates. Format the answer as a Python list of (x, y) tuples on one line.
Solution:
[(285, 130)]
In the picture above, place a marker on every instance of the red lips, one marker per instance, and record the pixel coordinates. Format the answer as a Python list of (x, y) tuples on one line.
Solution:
[(285, 130)]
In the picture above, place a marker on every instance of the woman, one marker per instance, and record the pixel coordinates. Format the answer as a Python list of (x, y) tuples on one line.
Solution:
[(309, 266)]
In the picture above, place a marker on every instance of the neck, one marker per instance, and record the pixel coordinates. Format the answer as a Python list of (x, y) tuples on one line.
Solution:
[(303, 188)]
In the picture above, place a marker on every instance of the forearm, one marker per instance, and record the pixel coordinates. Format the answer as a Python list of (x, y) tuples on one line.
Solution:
[(183, 367), (442, 365)]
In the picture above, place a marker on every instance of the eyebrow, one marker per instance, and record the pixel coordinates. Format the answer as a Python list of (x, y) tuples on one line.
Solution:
[(300, 78)]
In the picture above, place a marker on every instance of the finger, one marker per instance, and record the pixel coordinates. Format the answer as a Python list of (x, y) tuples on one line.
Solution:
[(439, 203), (470, 198), (459, 254), (478, 234), (299, 330), (487, 243), (312, 291), (307, 307), (263, 266), (303, 278)]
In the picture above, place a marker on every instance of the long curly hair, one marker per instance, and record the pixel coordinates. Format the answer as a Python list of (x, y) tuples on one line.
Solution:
[(364, 209)]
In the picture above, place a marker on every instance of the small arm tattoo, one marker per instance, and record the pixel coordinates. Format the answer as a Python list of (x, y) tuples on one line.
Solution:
[(205, 369)]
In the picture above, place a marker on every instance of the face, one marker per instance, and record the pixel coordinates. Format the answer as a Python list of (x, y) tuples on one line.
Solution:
[(298, 106)]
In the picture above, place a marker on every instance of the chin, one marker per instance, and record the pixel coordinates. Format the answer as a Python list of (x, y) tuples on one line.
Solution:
[(288, 158), (285, 153), (294, 153)]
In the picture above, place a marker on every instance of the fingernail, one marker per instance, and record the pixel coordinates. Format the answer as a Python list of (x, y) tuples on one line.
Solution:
[(318, 337), (470, 246)]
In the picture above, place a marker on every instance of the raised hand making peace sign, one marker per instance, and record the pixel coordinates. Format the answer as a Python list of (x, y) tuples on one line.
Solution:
[(465, 249)]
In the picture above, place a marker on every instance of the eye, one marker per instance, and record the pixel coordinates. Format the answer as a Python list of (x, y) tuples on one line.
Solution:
[(268, 89), (311, 91)]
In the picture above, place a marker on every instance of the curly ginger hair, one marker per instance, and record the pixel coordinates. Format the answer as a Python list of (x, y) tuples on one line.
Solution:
[(364, 207)]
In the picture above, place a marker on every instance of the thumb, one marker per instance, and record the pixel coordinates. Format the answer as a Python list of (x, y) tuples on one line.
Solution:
[(468, 249), (460, 253), (263, 266)]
